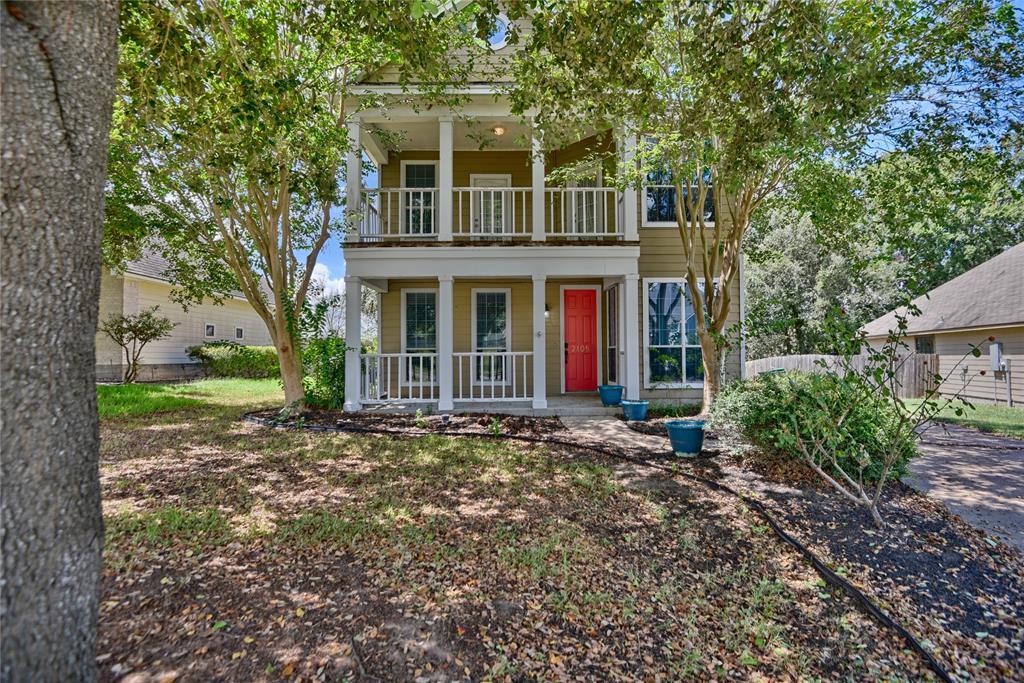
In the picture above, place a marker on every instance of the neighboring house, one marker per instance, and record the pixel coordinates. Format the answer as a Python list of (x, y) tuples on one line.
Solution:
[(494, 285), (144, 285), (986, 301)]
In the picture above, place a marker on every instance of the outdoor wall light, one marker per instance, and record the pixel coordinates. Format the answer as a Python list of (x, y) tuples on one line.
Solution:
[(498, 130), (547, 311)]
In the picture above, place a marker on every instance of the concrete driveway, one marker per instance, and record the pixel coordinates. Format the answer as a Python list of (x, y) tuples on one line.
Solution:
[(978, 476)]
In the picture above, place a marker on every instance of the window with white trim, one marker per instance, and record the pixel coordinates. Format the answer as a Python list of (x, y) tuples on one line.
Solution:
[(491, 333), (419, 336), (239, 333), (211, 330), (671, 344), (660, 198)]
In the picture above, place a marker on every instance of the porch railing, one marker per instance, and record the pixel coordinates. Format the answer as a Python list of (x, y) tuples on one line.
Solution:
[(398, 377), (491, 212), (398, 213), (583, 212), (492, 376)]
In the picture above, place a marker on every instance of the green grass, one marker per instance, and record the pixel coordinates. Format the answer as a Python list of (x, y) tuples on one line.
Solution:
[(987, 418), (133, 400)]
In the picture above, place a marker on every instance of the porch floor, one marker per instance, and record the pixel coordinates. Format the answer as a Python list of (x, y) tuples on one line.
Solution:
[(581, 405)]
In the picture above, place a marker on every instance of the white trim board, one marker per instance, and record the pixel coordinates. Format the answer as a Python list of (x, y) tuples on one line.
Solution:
[(598, 292)]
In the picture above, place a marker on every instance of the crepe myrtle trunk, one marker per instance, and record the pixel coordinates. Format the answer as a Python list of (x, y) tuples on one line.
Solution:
[(289, 357), (711, 356), (57, 83)]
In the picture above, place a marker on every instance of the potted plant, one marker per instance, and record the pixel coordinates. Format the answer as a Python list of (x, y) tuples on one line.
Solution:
[(687, 437), (611, 394), (635, 411)]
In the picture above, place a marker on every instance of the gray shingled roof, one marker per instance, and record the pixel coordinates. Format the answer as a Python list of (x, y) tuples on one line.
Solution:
[(155, 266), (150, 264), (988, 295)]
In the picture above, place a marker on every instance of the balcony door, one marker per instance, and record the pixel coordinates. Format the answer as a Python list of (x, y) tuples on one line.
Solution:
[(490, 203), (584, 206), (420, 183)]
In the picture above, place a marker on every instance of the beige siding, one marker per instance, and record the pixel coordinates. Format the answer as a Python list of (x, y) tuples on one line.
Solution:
[(990, 387), (111, 303), (190, 330)]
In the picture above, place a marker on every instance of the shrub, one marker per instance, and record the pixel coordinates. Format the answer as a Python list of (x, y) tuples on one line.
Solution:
[(133, 332), (773, 410), (324, 361), (229, 359)]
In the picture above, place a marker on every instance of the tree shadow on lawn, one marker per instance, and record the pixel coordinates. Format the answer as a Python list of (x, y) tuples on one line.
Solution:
[(241, 551)]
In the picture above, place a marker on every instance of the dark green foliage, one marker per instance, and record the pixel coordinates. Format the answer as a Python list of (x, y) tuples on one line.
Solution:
[(324, 362), (770, 409), (228, 359), (673, 409)]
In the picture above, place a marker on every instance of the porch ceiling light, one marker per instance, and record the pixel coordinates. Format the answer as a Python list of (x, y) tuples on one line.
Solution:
[(498, 130)]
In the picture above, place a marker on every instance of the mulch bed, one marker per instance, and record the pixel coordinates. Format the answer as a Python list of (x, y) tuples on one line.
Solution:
[(959, 590), (480, 423)]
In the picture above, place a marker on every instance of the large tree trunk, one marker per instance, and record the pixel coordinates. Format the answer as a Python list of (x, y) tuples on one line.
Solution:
[(289, 356), (58, 64), (710, 354)]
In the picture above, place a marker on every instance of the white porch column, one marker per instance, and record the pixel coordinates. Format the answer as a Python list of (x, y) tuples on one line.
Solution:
[(627, 157), (445, 169), (537, 185), (353, 334), (632, 360), (540, 395), (353, 182), (445, 343)]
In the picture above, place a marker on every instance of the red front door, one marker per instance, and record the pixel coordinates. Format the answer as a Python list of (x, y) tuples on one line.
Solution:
[(580, 306)]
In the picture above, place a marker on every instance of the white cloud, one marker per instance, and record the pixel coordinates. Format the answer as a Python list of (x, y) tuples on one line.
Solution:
[(322, 274)]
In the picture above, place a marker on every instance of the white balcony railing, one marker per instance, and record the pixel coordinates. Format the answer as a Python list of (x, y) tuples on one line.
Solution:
[(492, 376), (398, 213), (398, 377), (583, 212), (491, 212)]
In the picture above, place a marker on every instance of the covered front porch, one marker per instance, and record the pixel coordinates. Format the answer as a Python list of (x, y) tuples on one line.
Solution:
[(484, 338)]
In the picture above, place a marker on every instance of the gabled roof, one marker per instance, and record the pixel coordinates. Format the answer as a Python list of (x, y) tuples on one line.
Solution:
[(153, 266), (989, 295)]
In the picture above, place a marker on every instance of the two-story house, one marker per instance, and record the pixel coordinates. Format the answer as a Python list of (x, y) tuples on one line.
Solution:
[(498, 287)]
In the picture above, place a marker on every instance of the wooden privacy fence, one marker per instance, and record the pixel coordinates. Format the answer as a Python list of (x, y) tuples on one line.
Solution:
[(916, 374)]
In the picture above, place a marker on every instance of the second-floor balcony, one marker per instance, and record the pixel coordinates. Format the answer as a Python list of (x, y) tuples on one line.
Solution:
[(490, 213), (482, 177)]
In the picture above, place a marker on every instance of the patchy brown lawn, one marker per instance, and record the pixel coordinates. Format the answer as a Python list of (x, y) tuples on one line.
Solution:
[(244, 553)]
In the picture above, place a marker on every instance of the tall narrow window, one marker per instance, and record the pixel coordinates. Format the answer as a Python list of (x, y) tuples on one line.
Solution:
[(612, 307), (418, 198), (420, 334), (491, 334), (673, 349)]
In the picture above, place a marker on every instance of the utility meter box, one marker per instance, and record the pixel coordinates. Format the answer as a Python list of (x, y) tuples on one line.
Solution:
[(995, 354)]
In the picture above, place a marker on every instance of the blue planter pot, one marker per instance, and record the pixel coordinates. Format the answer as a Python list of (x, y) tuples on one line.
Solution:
[(687, 437), (611, 394), (635, 411)]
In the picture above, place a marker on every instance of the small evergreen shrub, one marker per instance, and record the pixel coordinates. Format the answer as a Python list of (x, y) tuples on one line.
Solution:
[(229, 359), (771, 410), (324, 362)]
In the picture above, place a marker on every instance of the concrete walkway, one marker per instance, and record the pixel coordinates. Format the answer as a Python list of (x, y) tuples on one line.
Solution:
[(980, 477)]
